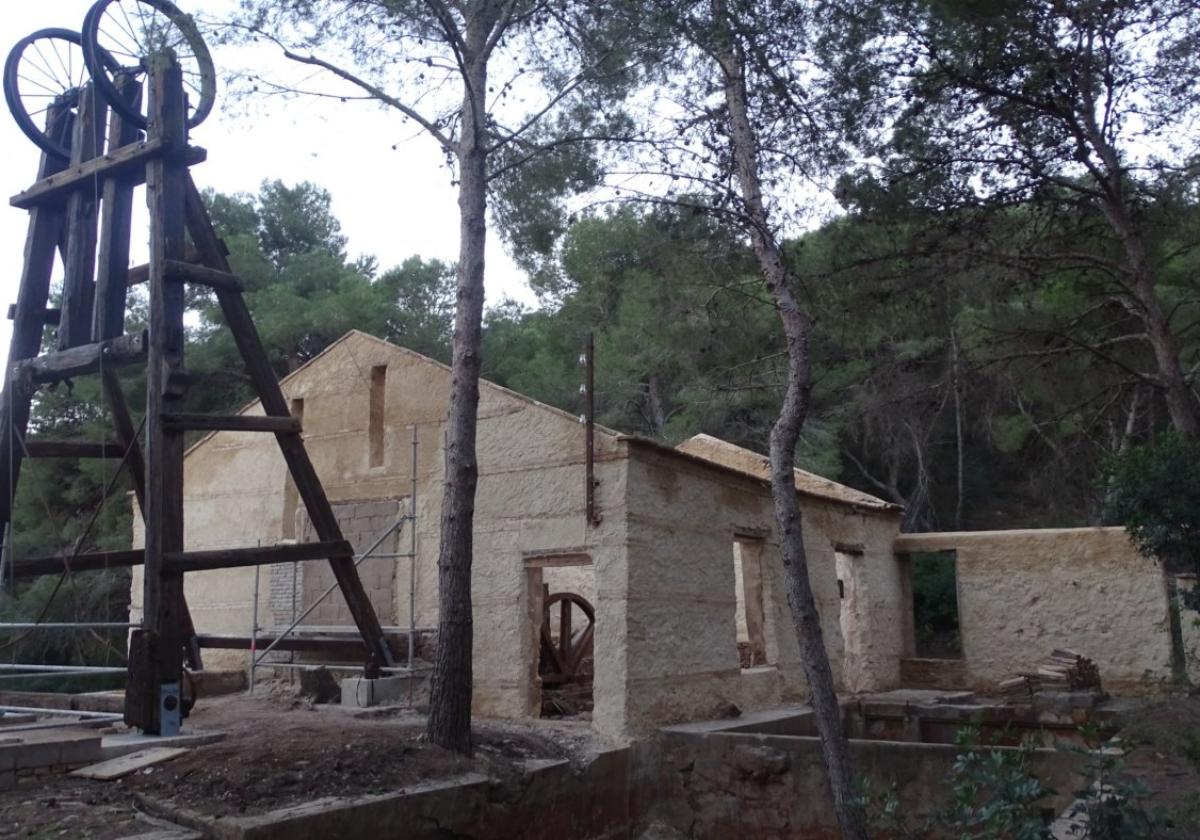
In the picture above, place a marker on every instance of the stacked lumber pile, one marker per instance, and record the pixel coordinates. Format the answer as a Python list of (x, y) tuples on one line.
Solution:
[(1063, 670)]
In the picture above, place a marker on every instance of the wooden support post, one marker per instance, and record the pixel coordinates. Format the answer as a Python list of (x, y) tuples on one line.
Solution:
[(308, 485), (160, 660), (79, 288), (108, 315), (29, 316)]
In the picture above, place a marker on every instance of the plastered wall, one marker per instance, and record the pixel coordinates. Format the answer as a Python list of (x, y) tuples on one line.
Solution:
[(659, 563), (681, 597), (1023, 593), (530, 498)]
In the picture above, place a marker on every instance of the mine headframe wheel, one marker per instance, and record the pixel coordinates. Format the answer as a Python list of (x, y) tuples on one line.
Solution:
[(44, 70), (564, 657), (132, 31)]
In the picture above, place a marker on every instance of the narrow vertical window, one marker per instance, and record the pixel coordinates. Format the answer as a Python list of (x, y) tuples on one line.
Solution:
[(291, 498), (748, 615), (375, 421)]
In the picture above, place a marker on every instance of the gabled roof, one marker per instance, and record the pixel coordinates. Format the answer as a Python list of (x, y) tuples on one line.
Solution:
[(704, 448), (338, 343), (729, 455)]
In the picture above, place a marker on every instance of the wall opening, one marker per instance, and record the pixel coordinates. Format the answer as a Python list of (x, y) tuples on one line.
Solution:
[(934, 586), (291, 497), (376, 415), (748, 585), (562, 597)]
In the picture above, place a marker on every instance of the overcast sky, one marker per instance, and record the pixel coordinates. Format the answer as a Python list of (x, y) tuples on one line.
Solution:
[(392, 203)]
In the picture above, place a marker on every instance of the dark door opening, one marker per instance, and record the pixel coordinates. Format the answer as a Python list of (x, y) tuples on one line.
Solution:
[(934, 583), (565, 662)]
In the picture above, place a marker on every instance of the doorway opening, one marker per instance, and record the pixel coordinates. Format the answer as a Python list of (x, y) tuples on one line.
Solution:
[(562, 591), (933, 581)]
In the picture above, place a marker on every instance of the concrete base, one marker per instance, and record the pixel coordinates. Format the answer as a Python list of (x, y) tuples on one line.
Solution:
[(359, 692)]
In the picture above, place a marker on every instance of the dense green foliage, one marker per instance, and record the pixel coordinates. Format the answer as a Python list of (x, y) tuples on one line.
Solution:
[(996, 795), (984, 337), (1154, 491)]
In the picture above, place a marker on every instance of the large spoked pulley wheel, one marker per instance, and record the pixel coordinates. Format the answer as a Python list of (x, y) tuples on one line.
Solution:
[(133, 31), (43, 76)]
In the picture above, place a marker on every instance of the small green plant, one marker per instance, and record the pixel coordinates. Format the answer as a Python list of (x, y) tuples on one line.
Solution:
[(1190, 747), (996, 796), (1114, 805)]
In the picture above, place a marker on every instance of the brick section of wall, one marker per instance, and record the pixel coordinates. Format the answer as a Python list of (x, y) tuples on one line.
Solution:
[(362, 523)]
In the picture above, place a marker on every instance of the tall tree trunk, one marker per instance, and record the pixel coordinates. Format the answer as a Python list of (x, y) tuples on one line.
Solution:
[(1146, 305), (785, 434), (449, 723), (956, 382)]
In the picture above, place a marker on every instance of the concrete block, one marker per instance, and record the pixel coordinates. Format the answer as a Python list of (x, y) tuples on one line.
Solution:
[(80, 752), (360, 692)]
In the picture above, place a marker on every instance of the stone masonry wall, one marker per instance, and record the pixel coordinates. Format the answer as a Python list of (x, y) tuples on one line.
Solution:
[(362, 523), (1023, 593)]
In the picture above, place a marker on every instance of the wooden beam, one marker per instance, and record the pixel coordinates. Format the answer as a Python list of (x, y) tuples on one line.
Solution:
[(42, 240), (52, 314), (183, 561), (77, 361), (160, 662), (116, 214), (230, 423), (291, 445), (138, 274), (233, 558), (89, 562), (43, 448), (79, 286), (127, 163), (186, 272)]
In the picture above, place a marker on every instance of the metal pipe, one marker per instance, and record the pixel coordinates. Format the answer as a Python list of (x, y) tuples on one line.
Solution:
[(589, 411), (304, 666), (253, 631), (64, 625), (71, 673), (295, 586), (56, 724), (18, 666), (53, 712), (357, 562), (412, 552)]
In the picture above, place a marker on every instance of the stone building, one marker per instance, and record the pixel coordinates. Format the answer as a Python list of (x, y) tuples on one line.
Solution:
[(681, 566)]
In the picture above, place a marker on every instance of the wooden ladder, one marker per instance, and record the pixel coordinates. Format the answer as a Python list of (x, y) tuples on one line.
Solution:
[(64, 206)]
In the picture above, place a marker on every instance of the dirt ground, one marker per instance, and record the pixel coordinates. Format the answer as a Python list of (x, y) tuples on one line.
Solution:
[(1161, 767), (280, 751), (277, 752)]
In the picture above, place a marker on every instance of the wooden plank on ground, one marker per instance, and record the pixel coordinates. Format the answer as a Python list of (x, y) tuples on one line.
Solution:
[(115, 768)]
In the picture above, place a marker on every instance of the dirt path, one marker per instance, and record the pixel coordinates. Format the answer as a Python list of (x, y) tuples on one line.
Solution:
[(278, 752)]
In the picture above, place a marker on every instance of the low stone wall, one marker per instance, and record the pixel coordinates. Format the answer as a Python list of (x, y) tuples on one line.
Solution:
[(716, 785), (761, 775), (601, 800)]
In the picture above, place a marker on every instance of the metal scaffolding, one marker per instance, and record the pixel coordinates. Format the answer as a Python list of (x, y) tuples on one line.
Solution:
[(409, 519)]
